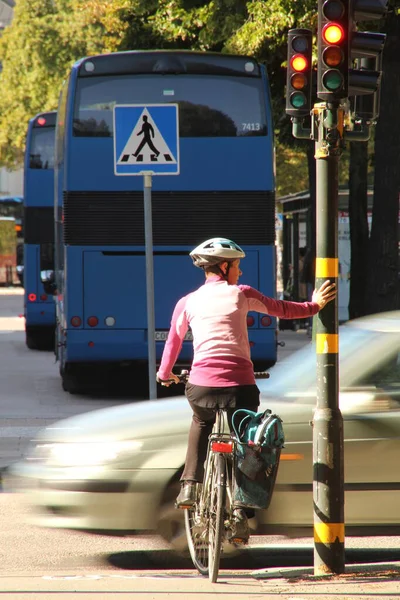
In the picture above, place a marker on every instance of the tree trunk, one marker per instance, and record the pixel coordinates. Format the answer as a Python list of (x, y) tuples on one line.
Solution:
[(383, 288), (358, 216)]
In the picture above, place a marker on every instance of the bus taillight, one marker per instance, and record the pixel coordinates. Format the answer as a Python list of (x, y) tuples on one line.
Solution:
[(43, 297), (266, 321), (92, 321), (250, 321), (32, 297), (76, 321)]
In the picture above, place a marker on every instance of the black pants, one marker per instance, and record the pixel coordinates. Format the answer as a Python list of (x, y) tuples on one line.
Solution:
[(204, 402)]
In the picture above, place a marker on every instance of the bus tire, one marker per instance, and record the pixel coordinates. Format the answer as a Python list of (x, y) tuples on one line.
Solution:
[(31, 340), (70, 382), (37, 339)]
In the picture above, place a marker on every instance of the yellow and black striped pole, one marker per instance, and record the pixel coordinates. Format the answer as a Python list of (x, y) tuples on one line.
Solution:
[(328, 468)]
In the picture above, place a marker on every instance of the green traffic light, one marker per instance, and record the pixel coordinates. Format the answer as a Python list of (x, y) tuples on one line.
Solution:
[(332, 80), (298, 100)]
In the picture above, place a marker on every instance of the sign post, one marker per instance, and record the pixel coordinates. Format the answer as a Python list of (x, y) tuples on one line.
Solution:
[(146, 142)]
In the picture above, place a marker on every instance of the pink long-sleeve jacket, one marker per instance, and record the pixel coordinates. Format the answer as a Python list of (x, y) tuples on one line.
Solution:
[(217, 315)]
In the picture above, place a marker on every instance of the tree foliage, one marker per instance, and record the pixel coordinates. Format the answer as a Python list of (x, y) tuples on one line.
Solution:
[(36, 51), (383, 281), (46, 37)]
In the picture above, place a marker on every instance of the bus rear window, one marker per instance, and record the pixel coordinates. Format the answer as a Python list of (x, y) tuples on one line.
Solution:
[(214, 106), (41, 152)]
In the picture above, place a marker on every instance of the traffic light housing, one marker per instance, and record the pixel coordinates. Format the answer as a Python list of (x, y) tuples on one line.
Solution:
[(366, 107), (299, 73), (365, 52), (333, 50)]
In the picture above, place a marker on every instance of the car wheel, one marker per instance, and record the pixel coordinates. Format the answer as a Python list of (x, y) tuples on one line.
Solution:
[(171, 522)]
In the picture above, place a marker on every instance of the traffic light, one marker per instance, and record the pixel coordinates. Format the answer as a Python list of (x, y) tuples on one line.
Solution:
[(366, 107), (366, 56), (299, 73), (333, 49)]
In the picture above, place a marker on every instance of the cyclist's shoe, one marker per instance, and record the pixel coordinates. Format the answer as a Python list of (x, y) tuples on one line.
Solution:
[(187, 495), (239, 533)]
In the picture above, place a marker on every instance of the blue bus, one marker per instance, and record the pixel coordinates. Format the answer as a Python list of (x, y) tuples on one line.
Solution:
[(226, 188), (39, 305)]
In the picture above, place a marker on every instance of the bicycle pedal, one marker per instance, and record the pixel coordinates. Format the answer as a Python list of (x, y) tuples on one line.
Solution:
[(183, 506), (239, 541)]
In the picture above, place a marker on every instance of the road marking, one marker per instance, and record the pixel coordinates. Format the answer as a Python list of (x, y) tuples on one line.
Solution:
[(96, 577), (19, 432)]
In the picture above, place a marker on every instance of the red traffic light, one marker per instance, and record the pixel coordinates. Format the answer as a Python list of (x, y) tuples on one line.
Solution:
[(298, 62), (299, 73), (333, 33)]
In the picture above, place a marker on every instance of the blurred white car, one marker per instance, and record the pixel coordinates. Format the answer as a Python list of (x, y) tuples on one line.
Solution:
[(116, 470)]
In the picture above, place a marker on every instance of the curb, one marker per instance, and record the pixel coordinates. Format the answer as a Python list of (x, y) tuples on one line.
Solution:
[(352, 572)]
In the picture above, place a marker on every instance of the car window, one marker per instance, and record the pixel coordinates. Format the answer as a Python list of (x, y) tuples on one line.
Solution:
[(385, 373), (363, 356)]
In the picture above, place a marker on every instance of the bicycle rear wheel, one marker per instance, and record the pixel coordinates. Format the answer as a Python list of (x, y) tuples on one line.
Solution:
[(197, 537), (216, 515)]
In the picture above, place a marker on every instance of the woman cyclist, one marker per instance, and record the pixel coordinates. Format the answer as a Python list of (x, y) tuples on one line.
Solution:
[(222, 372)]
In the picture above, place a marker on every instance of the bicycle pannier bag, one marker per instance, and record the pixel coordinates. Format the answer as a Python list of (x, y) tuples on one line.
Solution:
[(260, 440)]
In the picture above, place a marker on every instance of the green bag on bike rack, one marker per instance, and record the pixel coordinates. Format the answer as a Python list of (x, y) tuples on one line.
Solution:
[(260, 438)]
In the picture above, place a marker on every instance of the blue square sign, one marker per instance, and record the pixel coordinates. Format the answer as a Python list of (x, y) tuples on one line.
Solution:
[(146, 139)]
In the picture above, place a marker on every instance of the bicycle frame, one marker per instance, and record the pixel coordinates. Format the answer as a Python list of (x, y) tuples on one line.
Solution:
[(224, 443), (212, 515)]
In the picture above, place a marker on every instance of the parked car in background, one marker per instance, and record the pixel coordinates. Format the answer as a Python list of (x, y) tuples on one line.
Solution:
[(116, 470)]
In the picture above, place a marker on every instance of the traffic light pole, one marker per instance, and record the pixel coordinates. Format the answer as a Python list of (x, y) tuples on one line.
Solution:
[(349, 64), (328, 463)]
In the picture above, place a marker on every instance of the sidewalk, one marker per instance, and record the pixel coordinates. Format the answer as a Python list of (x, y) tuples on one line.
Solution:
[(372, 582), (12, 291), (368, 581)]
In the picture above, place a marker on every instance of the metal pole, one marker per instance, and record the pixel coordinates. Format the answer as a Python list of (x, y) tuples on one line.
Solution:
[(328, 464), (148, 232)]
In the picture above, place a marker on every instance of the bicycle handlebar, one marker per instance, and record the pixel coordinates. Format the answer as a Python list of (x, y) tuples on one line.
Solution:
[(184, 376)]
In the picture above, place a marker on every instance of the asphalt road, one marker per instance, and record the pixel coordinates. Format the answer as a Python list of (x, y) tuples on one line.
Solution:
[(43, 563)]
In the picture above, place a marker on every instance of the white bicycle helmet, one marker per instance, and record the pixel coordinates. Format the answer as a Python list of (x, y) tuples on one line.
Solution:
[(214, 251)]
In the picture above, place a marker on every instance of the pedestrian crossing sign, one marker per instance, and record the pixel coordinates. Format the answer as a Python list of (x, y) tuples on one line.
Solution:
[(146, 139)]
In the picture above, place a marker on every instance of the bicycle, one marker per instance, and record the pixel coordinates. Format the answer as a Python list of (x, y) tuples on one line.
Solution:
[(210, 520)]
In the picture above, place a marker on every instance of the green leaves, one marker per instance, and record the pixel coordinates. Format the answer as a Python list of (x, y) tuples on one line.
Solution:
[(47, 37)]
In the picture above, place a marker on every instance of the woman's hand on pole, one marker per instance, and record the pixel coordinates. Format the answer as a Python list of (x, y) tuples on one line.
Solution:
[(324, 294)]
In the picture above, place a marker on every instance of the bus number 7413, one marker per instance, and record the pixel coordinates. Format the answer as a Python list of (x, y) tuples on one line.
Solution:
[(251, 126)]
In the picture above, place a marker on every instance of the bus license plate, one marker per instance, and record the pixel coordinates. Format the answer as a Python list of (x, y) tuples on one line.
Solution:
[(161, 336)]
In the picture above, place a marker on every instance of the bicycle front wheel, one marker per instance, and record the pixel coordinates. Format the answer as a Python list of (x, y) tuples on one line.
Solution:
[(216, 515), (197, 537)]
